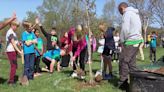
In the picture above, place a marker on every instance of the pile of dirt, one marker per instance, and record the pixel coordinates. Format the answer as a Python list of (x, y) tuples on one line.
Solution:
[(98, 78), (160, 70), (83, 85)]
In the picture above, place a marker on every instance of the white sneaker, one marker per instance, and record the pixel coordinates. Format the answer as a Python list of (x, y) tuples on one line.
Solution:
[(83, 77), (114, 61), (74, 75)]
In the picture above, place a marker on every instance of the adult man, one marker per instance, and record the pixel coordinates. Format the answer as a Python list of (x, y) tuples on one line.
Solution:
[(130, 38), (4, 24)]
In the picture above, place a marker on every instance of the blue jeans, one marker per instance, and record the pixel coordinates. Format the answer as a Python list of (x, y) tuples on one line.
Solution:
[(29, 65)]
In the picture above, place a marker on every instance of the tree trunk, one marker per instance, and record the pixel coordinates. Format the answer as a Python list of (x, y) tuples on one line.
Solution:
[(145, 32), (91, 81)]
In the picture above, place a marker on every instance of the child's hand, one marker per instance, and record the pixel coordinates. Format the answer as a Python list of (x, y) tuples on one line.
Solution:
[(73, 58), (14, 16), (37, 21), (34, 41), (28, 43)]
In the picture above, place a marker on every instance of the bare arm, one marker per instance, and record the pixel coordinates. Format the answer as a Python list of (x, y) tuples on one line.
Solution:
[(37, 21), (15, 46), (4, 24)]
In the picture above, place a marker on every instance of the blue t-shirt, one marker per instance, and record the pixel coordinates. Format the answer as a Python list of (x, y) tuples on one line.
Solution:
[(53, 54), (153, 42), (38, 46), (27, 36)]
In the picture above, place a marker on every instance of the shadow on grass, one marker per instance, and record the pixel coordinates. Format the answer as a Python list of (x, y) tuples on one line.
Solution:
[(96, 60), (114, 81), (16, 78), (2, 81), (67, 72)]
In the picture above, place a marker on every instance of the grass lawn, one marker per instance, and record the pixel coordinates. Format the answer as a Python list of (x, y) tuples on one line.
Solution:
[(61, 82)]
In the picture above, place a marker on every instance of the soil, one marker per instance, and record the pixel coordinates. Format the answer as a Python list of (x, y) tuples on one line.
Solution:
[(98, 78), (86, 85), (160, 71)]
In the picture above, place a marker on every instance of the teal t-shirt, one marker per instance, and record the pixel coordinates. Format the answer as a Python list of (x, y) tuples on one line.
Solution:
[(53, 54), (39, 46), (153, 42), (27, 36)]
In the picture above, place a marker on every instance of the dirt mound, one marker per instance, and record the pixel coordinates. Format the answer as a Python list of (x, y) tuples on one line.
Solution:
[(160, 71)]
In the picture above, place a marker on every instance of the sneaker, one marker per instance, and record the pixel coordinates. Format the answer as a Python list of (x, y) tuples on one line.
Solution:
[(114, 61), (123, 85), (45, 69), (74, 74), (37, 74), (82, 77), (11, 83), (107, 77)]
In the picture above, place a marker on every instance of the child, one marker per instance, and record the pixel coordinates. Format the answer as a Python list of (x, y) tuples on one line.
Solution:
[(109, 47), (153, 45), (79, 49), (29, 41), (52, 56), (100, 49), (38, 52), (12, 49), (66, 44), (51, 37), (117, 48)]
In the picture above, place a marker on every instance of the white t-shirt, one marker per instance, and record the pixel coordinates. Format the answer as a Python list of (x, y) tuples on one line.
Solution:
[(116, 40), (101, 47), (10, 35), (102, 42)]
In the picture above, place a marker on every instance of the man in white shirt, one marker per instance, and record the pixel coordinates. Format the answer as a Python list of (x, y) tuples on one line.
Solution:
[(130, 38)]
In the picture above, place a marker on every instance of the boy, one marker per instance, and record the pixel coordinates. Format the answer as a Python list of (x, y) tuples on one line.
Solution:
[(117, 41), (153, 45), (38, 52), (51, 37), (12, 49), (29, 40), (52, 56)]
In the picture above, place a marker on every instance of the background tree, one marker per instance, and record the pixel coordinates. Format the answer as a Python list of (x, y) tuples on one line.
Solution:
[(158, 12), (109, 11)]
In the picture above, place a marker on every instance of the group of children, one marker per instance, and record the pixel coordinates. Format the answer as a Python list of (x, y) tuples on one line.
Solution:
[(31, 48), (71, 47)]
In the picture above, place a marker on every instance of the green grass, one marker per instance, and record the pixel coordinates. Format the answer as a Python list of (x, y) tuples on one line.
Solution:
[(61, 82)]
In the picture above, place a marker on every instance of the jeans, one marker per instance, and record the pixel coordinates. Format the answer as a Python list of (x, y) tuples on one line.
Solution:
[(36, 64), (29, 65)]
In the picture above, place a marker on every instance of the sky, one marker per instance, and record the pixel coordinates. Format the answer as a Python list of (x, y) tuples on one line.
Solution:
[(7, 7)]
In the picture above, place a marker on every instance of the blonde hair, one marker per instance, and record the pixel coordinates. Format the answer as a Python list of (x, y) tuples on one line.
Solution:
[(26, 24)]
